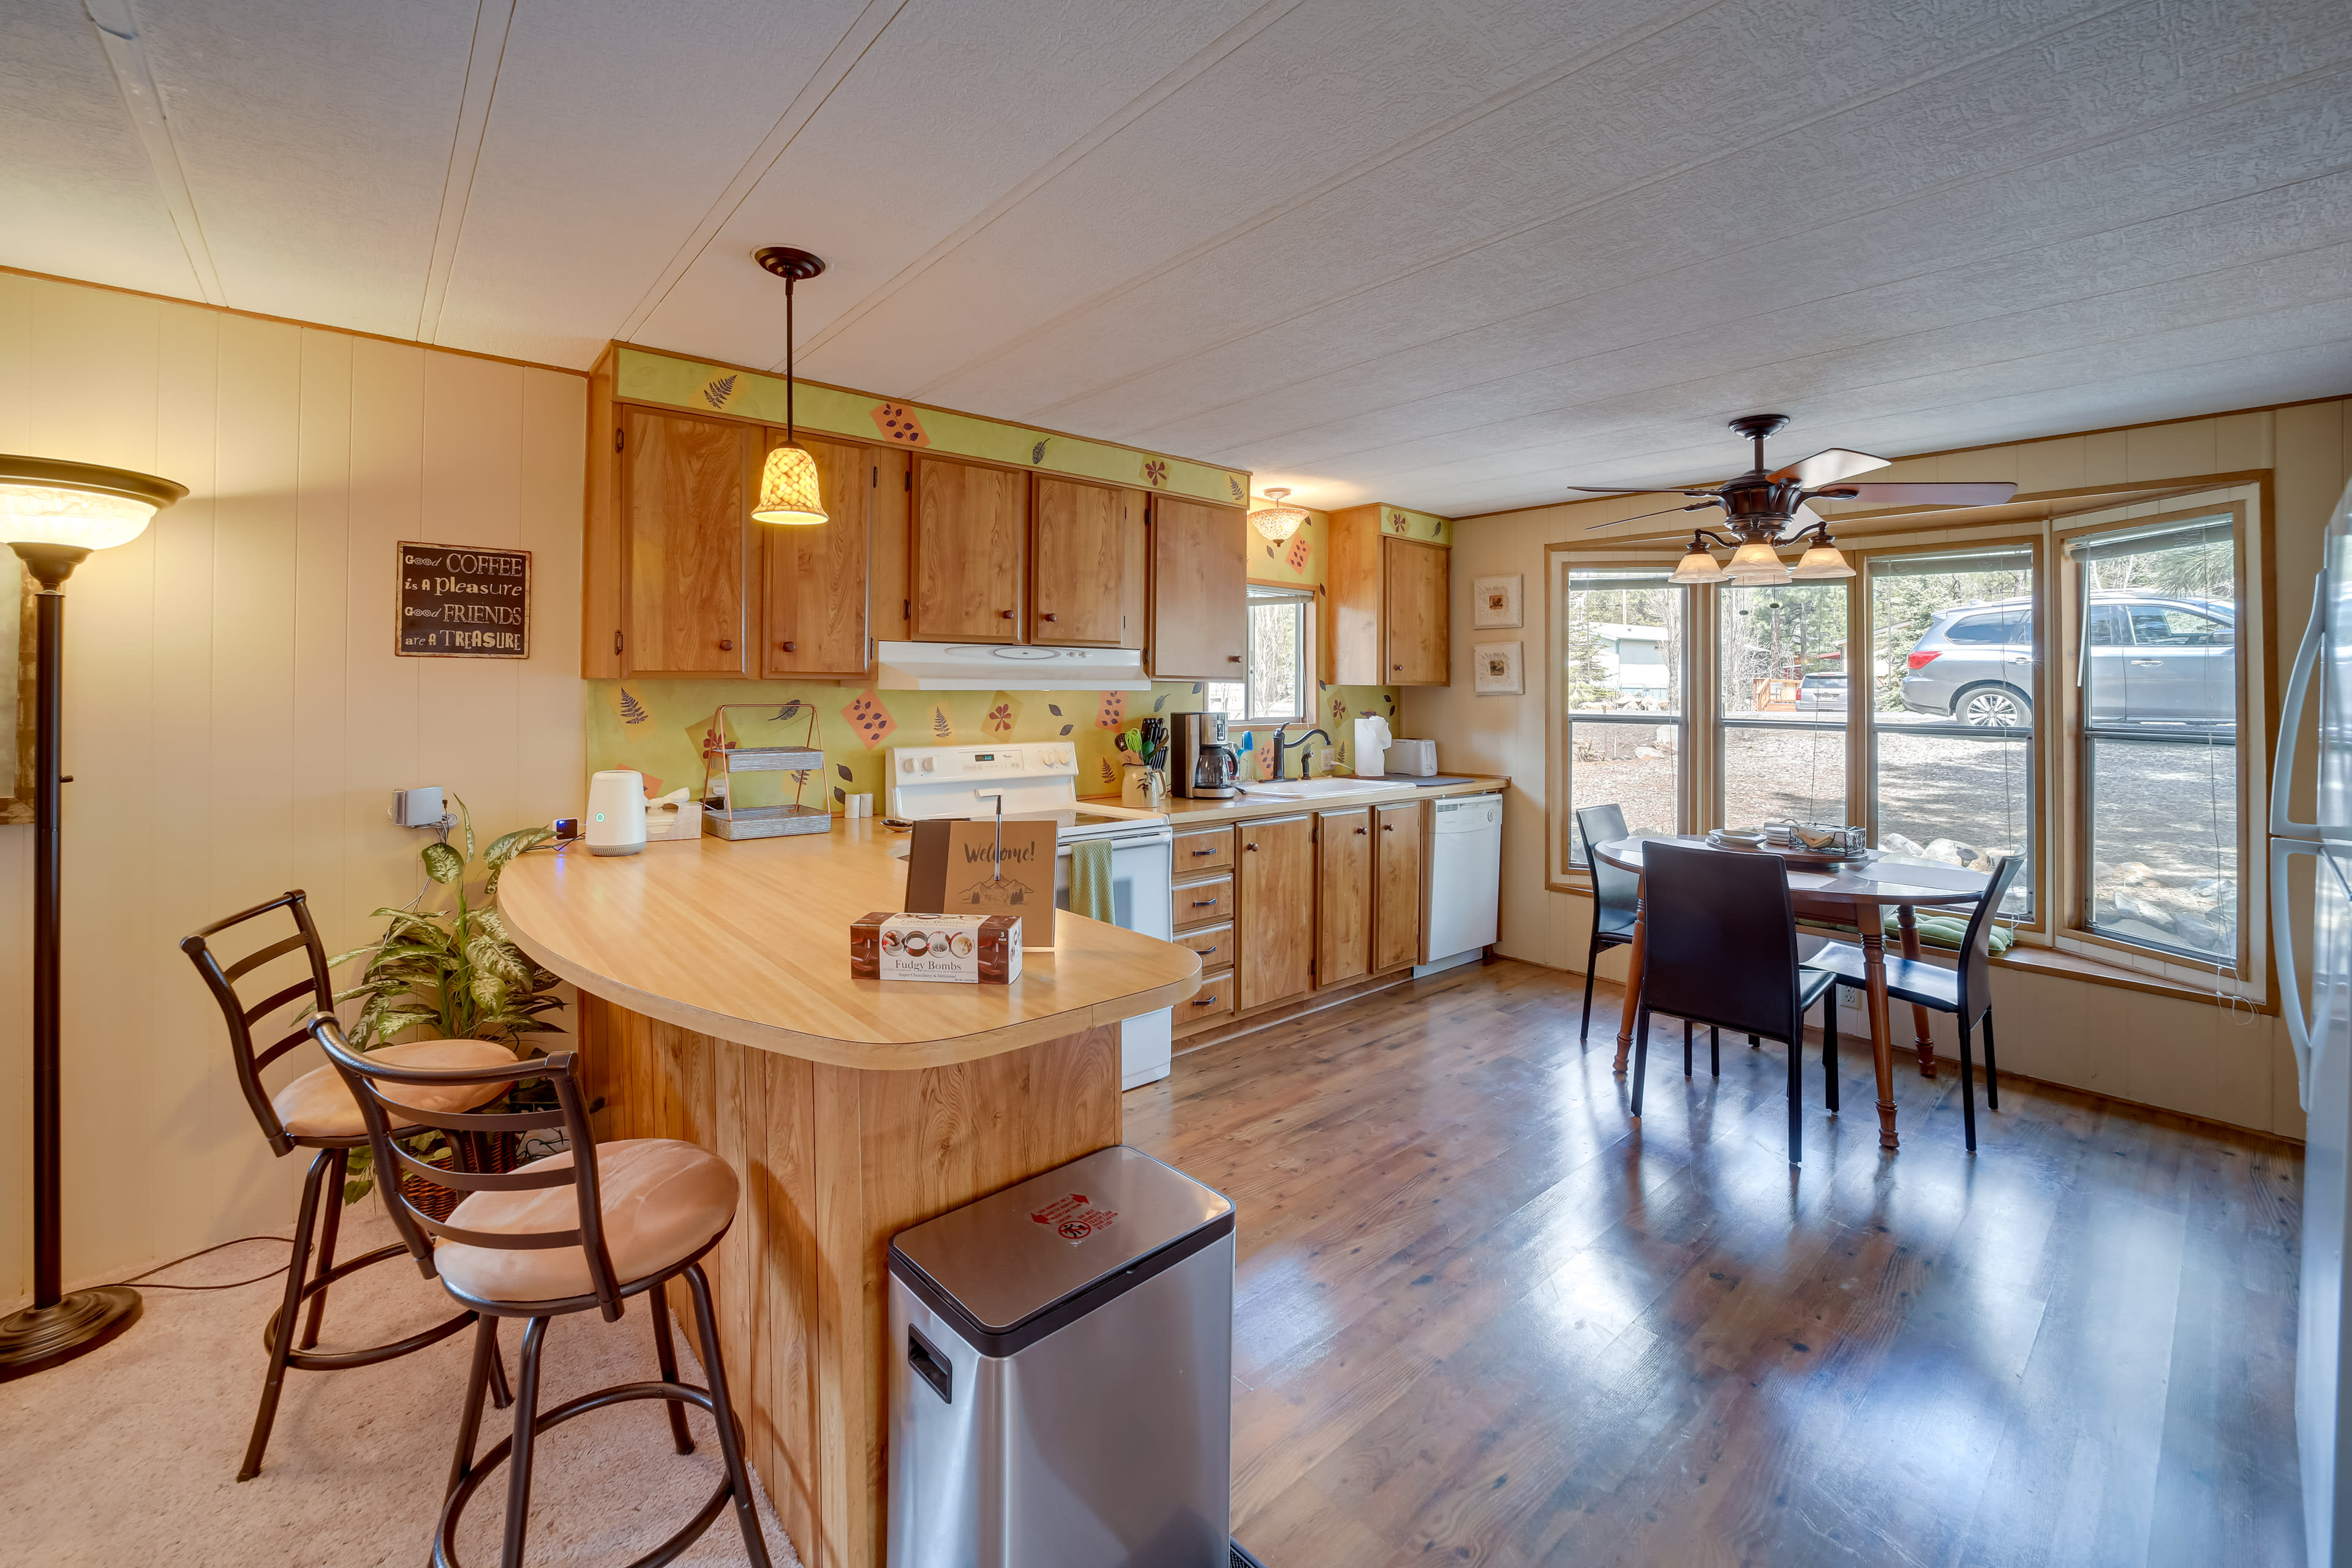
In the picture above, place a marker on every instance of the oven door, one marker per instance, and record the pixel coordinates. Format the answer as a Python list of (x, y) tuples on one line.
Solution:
[(1139, 871)]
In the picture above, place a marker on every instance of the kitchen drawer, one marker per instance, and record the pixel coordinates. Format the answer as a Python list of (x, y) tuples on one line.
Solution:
[(1210, 850), (1203, 903), (1214, 943), (1214, 999)]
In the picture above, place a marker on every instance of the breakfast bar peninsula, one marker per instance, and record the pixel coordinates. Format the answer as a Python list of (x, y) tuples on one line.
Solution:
[(717, 1005)]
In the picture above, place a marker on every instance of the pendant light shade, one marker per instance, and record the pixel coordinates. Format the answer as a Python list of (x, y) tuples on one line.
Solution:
[(1756, 565), (1698, 567), (77, 505), (789, 493), (1278, 522), (1822, 560)]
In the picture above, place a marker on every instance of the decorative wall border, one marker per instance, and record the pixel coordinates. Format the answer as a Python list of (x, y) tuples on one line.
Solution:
[(645, 376)]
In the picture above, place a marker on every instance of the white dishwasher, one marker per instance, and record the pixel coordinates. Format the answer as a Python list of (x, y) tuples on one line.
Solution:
[(1465, 879)]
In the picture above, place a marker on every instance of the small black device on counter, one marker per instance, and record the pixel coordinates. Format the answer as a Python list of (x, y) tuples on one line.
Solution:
[(566, 829)]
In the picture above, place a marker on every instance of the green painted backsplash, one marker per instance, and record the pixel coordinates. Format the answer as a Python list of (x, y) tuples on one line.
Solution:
[(659, 728)]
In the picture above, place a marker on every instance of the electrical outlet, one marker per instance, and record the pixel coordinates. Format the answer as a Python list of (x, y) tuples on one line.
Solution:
[(419, 808)]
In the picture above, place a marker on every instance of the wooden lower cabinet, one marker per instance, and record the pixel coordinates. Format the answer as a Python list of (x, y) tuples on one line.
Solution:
[(1274, 872), (1396, 885), (1343, 896)]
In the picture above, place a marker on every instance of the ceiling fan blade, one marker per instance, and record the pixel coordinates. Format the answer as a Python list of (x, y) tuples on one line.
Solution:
[(1954, 494), (1828, 468), (1593, 490), (1699, 506)]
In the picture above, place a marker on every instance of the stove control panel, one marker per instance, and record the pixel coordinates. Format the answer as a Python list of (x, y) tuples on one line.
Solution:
[(914, 764)]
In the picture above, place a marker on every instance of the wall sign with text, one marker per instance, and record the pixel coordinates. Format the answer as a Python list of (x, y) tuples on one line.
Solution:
[(462, 601)]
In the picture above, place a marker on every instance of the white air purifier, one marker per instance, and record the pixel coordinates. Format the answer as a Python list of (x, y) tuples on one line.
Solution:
[(616, 812)]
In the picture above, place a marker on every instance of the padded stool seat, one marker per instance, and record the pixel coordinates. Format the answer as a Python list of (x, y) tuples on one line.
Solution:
[(663, 1201), (320, 1105)]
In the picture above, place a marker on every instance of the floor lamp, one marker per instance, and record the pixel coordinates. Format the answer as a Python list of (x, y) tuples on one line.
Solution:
[(53, 515)]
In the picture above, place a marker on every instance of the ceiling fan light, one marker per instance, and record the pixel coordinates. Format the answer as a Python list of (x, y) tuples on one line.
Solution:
[(1698, 567), (1822, 560), (1280, 520), (1756, 565), (788, 494)]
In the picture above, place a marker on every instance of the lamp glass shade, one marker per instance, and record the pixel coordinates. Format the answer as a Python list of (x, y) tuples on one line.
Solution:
[(33, 513), (788, 489), (1757, 564), (1276, 523), (1822, 560), (1698, 567)]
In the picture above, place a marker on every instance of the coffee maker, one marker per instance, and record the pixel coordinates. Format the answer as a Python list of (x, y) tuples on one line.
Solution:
[(1204, 767)]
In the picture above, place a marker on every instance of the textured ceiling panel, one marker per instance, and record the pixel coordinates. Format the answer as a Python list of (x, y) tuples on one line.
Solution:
[(612, 131), (76, 193), (958, 101), (1455, 255), (316, 141)]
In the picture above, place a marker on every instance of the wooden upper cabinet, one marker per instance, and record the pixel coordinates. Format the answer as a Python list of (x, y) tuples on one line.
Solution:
[(1414, 588), (1275, 892), (1388, 605), (971, 551), (1396, 885), (686, 485), (815, 587), (1082, 539), (1343, 896), (1199, 592)]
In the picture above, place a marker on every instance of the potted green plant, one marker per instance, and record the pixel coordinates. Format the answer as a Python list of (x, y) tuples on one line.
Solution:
[(454, 971)]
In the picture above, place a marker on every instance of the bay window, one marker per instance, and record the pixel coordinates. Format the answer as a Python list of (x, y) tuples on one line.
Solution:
[(1781, 708), (1621, 684)]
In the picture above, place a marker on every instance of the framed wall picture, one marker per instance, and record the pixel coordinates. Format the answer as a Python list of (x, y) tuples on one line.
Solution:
[(1495, 602), (1497, 670)]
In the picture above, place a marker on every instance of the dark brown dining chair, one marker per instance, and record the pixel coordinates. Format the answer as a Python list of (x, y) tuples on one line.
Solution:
[(315, 1111), (1721, 951), (580, 1230), (1616, 895), (1965, 991)]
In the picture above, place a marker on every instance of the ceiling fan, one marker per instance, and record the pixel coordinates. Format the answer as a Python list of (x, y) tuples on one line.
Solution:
[(1766, 509)]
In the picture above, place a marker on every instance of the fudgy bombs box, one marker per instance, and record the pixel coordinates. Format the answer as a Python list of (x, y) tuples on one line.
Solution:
[(970, 949)]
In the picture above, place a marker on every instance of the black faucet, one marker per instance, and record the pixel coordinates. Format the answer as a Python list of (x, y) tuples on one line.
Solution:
[(1281, 747)]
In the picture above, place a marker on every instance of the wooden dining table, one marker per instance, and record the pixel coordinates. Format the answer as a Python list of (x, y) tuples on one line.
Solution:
[(1855, 893)]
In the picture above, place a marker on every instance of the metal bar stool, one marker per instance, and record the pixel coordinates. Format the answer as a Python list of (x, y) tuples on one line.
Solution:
[(316, 1111), (586, 1229)]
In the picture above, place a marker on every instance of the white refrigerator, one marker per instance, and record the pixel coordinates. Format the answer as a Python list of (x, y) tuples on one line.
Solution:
[(2321, 1031)]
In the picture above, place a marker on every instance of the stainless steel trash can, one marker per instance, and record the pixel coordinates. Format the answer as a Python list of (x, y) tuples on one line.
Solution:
[(1061, 1375)]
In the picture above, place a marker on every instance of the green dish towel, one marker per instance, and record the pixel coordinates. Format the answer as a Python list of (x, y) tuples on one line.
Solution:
[(1090, 879), (1950, 931)]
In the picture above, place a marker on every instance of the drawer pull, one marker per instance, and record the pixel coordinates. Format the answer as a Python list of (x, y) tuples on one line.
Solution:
[(790, 646), (1200, 852), (1007, 615), (1208, 1001), (1204, 903), (1206, 951)]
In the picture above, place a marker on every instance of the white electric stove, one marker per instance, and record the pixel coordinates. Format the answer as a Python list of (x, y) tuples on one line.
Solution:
[(1039, 782)]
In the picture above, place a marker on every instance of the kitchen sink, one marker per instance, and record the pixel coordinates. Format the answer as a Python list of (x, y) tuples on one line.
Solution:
[(1315, 789)]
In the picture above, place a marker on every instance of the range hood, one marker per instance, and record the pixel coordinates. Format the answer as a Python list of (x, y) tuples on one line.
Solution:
[(1006, 666)]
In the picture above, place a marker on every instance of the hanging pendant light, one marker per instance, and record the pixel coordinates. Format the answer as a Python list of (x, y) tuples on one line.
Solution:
[(790, 494), (1278, 522), (1756, 565)]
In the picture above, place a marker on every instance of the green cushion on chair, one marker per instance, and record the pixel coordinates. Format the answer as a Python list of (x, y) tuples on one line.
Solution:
[(1949, 931)]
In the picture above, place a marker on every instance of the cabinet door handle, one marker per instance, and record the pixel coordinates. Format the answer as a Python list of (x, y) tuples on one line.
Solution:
[(1232, 658), (1251, 848), (1388, 828), (1047, 616), (1396, 666), (726, 645), (790, 646), (1007, 615)]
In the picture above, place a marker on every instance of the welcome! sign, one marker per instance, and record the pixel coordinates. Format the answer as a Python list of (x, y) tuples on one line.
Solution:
[(957, 867)]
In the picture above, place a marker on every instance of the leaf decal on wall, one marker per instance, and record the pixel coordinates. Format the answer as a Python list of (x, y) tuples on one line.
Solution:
[(1158, 703), (632, 711), (843, 769), (840, 794), (1037, 452), (1055, 710), (1067, 728), (793, 708), (1196, 688), (718, 392), (869, 718), (941, 726)]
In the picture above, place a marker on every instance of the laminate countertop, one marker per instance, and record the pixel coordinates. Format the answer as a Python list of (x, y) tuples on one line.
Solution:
[(1339, 791), (750, 941)]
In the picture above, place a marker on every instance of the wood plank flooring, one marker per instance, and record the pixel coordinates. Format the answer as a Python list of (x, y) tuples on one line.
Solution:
[(1486, 1319)]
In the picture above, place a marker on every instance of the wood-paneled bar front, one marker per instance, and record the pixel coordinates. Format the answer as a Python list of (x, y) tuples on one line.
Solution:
[(716, 1006)]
